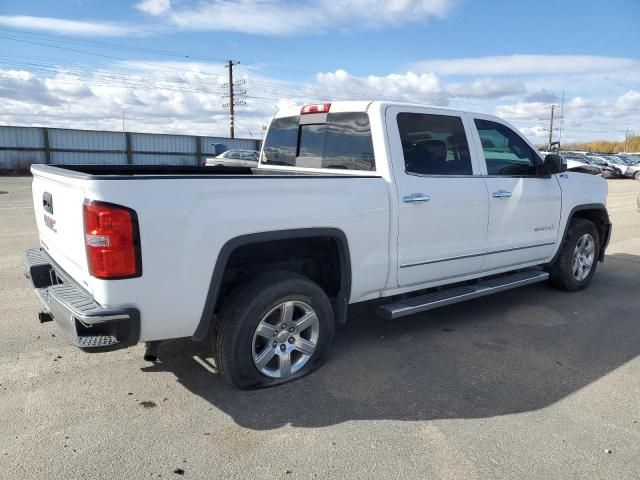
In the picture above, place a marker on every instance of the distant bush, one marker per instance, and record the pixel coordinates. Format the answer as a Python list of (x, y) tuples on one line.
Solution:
[(603, 146)]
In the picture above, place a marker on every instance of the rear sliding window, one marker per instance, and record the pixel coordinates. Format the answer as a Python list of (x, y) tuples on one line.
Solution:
[(342, 142)]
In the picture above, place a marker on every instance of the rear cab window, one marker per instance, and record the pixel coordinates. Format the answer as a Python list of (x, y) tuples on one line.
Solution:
[(434, 144), (340, 140)]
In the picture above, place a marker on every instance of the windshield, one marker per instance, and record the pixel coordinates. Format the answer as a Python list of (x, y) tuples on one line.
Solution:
[(615, 160), (576, 158), (597, 161)]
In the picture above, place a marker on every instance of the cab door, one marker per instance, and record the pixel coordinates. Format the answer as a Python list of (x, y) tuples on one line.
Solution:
[(442, 203), (524, 204)]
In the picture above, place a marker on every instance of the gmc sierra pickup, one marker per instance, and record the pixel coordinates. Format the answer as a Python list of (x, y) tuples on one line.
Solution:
[(352, 201)]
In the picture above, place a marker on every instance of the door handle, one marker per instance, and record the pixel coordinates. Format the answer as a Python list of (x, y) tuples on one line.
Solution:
[(501, 194), (416, 197)]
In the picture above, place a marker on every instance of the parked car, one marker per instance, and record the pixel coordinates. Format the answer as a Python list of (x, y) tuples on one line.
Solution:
[(235, 158), (632, 169), (629, 157), (605, 169), (612, 161), (415, 207)]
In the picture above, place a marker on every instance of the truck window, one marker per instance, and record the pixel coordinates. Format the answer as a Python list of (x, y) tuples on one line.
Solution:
[(505, 152), (281, 142), (434, 144), (342, 142)]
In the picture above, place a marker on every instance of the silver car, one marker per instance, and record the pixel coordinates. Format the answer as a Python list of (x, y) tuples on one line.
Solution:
[(235, 158)]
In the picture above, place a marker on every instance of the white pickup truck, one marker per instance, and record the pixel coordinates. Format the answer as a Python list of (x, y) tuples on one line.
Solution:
[(351, 202)]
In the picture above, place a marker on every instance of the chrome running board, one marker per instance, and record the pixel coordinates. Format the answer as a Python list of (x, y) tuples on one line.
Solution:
[(441, 298)]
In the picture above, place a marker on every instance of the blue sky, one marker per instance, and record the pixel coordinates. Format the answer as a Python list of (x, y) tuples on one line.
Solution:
[(506, 58)]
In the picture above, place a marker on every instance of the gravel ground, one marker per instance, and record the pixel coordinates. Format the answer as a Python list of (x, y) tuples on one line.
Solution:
[(532, 383)]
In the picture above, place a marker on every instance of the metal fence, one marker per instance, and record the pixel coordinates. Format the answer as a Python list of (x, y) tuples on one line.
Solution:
[(22, 146)]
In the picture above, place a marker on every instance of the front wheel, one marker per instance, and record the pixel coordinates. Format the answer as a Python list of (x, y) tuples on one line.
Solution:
[(274, 329), (577, 260), (637, 175)]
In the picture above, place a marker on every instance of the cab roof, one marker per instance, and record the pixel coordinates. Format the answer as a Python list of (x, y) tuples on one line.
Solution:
[(359, 106)]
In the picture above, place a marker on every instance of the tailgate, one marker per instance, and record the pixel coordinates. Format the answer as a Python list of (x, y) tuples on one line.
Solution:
[(57, 203)]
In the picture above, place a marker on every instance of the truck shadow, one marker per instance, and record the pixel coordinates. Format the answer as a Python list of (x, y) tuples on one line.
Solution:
[(512, 352)]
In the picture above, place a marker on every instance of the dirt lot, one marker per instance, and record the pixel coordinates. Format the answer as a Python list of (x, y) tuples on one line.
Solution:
[(533, 383)]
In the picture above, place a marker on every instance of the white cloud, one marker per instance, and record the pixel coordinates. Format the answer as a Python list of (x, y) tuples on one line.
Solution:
[(265, 17), (64, 85), (415, 87), (425, 87), (488, 88), (184, 97), (525, 65), (71, 27), (158, 100), (287, 17), (542, 96), (522, 110), (630, 101), (153, 7), (24, 87)]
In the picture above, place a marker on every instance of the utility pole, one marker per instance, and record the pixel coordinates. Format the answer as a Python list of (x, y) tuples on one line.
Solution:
[(232, 96), (553, 107), (626, 139), (552, 118), (561, 119)]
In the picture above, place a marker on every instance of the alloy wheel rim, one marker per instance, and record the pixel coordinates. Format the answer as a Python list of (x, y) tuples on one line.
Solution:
[(583, 257), (285, 339)]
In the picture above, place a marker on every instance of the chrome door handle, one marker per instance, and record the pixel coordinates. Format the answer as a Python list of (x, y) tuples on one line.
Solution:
[(501, 194), (416, 197)]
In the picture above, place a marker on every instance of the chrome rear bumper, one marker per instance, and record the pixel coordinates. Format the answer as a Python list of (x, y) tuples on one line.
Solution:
[(94, 327)]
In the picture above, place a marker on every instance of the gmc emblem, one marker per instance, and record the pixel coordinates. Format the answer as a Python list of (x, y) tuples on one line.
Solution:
[(50, 222)]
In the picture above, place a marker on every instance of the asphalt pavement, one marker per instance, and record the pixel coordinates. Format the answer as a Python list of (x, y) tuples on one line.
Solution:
[(528, 384)]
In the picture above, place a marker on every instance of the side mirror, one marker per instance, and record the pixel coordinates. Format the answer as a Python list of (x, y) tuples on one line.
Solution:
[(554, 163)]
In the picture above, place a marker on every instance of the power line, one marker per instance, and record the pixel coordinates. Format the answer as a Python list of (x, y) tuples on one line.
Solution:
[(72, 76), (84, 52), (153, 51)]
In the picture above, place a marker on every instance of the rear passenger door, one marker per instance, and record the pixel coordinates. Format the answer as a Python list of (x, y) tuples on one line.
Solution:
[(442, 204), (524, 204)]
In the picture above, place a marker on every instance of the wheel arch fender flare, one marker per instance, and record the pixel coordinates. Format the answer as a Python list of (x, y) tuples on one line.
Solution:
[(339, 303), (601, 209)]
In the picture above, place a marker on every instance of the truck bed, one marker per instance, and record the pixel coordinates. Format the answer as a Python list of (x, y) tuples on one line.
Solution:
[(186, 215)]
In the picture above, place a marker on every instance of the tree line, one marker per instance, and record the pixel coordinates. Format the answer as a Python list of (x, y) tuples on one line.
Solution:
[(604, 146)]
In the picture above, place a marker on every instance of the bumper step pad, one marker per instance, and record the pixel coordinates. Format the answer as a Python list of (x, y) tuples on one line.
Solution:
[(96, 341)]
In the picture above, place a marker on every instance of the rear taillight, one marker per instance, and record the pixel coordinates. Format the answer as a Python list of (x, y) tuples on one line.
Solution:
[(112, 241)]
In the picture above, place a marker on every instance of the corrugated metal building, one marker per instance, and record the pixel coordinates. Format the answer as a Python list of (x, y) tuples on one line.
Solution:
[(22, 146)]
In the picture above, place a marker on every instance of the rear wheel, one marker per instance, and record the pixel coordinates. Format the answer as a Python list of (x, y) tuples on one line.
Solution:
[(637, 175), (578, 257), (274, 329)]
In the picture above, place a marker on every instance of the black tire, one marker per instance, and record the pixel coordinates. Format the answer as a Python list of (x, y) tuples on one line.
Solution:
[(636, 175), (245, 309), (561, 271)]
